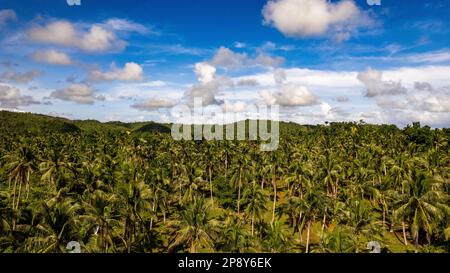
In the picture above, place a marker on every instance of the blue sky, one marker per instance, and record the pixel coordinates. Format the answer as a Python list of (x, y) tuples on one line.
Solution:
[(318, 60)]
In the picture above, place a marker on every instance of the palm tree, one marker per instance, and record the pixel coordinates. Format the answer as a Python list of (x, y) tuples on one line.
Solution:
[(234, 234), (276, 240), (100, 213), (239, 175), (20, 165), (340, 240), (193, 228), (59, 218), (255, 203), (423, 205)]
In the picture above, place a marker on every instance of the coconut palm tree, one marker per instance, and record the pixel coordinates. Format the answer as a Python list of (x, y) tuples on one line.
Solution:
[(423, 205), (193, 228)]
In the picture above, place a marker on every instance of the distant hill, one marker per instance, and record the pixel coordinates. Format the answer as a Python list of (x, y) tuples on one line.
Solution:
[(14, 122), (153, 128), (21, 123), (17, 122)]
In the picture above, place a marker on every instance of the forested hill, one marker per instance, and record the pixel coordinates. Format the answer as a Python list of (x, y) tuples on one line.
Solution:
[(16, 122), (35, 124), (29, 123)]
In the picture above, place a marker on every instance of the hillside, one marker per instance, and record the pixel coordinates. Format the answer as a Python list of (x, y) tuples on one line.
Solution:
[(27, 123), (37, 123)]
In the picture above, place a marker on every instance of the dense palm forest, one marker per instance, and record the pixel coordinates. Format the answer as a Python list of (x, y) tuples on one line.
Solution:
[(119, 187)]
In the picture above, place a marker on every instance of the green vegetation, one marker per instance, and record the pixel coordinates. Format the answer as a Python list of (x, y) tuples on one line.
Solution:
[(118, 187)]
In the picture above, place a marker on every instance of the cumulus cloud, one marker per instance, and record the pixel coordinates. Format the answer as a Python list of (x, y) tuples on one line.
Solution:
[(209, 85), (94, 39), (235, 107), (266, 60), (130, 72), (308, 18), (290, 95), (247, 82), (227, 58), (17, 77), (342, 99), (79, 93), (372, 80), (279, 75), (154, 103), (423, 86), (10, 97), (207, 91), (427, 98), (126, 25), (205, 73), (7, 15), (52, 57)]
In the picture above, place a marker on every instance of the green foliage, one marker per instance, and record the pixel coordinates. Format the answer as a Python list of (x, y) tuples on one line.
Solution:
[(129, 187)]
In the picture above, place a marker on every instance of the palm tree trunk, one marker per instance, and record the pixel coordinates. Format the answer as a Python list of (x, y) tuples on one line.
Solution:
[(14, 193), (239, 193), (274, 199), (210, 186), (307, 236), (19, 195), (28, 184), (253, 221), (226, 167), (404, 233), (323, 228), (300, 230)]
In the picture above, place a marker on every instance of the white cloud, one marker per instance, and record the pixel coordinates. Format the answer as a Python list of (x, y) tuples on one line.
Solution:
[(430, 57), (372, 79), (205, 73), (127, 25), (239, 45), (307, 18), (238, 106), (152, 84), (342, 99), (10, 97), (7, 15), (425, 97), (154, 103), (247, 82), (131, 72), (266, 60), (279, 76), (17, 77), (52, 57), (79, 93), (94, 39), (209, 85), (226, 58), (290, 95), (207, 91), (177, 49)]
